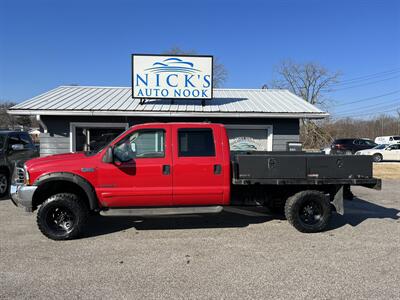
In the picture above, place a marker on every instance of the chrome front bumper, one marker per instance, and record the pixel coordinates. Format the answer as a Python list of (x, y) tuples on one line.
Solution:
[(21, 196)]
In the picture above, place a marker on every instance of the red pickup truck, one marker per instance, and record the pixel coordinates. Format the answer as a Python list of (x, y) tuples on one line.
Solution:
[(182, 168)]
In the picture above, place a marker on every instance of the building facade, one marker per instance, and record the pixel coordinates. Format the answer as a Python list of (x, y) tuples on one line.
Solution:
[(76, 118)]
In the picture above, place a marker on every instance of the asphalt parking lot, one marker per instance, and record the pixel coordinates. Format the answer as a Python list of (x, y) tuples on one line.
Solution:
[(236, 254)]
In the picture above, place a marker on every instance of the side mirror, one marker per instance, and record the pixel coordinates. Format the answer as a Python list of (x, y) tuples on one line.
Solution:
[(109, 156), (17, 147)]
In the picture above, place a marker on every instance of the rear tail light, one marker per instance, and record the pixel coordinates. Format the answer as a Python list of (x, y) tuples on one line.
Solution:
[(339, 146)]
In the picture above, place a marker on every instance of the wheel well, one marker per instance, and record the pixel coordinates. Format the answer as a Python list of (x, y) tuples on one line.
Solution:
[(47, 189)]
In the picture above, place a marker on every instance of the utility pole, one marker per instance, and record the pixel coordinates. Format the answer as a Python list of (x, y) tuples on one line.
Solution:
[(398, 121)]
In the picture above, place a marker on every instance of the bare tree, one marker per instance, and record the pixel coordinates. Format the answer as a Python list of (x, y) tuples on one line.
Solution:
[(311, 82), (363, 128), (220, 74), (8, 121)]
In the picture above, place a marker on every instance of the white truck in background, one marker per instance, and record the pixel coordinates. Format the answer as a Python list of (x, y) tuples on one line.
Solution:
[(390, 139)]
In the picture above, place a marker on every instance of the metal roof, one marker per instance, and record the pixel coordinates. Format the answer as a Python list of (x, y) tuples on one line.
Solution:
[(106, 101)]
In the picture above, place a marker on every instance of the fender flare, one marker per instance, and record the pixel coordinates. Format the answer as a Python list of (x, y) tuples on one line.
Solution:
[(74, 178)]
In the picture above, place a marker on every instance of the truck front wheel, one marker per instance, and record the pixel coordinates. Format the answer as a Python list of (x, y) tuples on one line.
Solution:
[(4, 183), (62, 216), (308, 211)]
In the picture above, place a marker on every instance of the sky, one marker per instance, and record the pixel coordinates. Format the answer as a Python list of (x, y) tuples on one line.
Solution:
[(47, 43)]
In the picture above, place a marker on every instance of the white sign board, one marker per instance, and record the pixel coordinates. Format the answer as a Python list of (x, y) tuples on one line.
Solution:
[(171, 76)]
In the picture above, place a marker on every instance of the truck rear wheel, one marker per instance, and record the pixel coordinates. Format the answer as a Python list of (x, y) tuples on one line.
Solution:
[(308, 211), (62, 217)]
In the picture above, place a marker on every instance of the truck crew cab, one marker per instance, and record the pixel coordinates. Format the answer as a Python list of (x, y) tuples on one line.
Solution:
[(183, 168)]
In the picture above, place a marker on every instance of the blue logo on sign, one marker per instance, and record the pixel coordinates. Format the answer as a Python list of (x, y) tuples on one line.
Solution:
[(173, 64)]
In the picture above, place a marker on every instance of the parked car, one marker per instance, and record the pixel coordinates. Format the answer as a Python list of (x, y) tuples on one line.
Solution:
[(14, 146), (392, 139), (382, 152), (351, 146)]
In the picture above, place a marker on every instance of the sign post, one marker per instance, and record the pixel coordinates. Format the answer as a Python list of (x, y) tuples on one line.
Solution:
[(172, 77)]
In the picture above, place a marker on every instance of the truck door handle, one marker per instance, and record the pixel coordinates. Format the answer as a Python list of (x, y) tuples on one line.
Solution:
[(166, 169), (217, 169)]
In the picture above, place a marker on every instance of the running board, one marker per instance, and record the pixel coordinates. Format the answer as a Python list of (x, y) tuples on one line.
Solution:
[(160, 211)]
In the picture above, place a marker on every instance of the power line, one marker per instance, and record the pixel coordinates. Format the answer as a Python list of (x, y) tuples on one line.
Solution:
[(363, 84), (370, 107), (368, 110), (367, 77), (391, 102), (373, 113), (369, 98)]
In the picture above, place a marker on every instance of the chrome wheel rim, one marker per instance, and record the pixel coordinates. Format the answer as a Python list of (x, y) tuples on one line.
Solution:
[(3, 184)]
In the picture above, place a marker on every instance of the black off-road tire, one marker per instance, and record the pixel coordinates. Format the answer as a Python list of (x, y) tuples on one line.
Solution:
[(50, 215), (5, 180), (377, 157), (297, 206)]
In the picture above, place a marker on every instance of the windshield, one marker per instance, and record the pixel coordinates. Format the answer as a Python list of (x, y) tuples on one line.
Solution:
[(383, 146)]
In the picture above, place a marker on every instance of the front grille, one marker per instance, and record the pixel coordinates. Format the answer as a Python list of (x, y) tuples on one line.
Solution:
[(19, 176)]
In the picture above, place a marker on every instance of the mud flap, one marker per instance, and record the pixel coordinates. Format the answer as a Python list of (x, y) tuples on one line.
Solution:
[(338, 201)]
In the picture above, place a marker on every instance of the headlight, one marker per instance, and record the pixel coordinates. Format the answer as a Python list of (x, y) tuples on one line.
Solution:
[(26, 176)]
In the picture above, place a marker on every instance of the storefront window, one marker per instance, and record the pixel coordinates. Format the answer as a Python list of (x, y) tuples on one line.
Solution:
[(94, 139)]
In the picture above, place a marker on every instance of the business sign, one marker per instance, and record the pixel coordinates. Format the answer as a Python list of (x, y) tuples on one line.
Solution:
[(171, 76)]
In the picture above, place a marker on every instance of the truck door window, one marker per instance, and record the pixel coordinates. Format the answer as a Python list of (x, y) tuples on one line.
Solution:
[(141, 144), (13, 139), (25, 140), (196, 142)]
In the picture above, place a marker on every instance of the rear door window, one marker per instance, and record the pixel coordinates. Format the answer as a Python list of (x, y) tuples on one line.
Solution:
[(196, 142)]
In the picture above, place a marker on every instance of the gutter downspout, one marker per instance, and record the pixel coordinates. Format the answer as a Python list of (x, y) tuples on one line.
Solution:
[(41, 123)]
